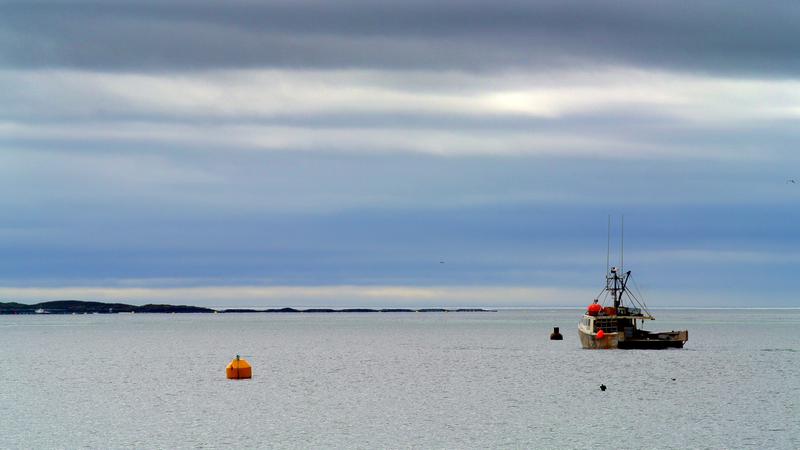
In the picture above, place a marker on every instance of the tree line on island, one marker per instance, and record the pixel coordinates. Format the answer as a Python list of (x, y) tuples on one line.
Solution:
[(82, 307)]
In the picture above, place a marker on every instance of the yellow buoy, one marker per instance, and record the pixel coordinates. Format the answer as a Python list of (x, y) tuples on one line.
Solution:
[(239, 369)]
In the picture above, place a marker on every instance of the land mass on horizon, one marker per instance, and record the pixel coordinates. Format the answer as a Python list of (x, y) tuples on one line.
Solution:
[(84, 307)]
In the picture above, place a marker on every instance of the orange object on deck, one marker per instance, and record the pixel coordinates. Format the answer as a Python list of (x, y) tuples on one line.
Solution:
[(594, 308), (610, 311), (239, 369)]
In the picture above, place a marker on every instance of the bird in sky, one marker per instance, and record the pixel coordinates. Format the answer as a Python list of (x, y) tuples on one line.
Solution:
[(791, 180)]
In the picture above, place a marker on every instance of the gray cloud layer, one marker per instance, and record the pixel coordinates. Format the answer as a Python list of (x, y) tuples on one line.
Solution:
[(713, 36)]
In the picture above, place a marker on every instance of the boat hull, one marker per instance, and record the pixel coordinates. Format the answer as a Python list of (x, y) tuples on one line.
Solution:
[(652, 341), (591, 341), (656, 341)]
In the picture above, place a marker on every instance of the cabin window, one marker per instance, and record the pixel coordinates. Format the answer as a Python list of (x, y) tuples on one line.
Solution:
[(608, 325)]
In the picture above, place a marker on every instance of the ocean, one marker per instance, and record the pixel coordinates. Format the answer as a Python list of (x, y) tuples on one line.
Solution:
[(396, 380)]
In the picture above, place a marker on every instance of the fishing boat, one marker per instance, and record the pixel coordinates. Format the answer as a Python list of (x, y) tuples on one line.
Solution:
[(620, 324)]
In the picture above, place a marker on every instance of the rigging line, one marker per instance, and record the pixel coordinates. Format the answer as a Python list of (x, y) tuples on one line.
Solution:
[(628, 291), (605, 297), (600, 293), (643, 303), (636, 300), (631, 295), (639, 291)]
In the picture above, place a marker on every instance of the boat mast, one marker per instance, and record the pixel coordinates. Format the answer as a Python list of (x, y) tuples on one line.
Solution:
[(616, 277), (616, 290), (618, 299)]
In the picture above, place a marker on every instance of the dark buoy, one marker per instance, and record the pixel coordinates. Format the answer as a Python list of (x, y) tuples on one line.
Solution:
[(603, 387), (673, 379), (555, 335)]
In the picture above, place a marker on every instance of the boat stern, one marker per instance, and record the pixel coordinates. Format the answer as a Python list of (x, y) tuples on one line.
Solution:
[(591, 341)]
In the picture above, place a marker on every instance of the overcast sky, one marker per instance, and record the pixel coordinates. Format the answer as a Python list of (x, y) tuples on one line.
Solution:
[(375, 153)]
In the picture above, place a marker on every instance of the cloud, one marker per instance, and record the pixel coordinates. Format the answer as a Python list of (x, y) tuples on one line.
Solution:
[(271, 94), (616, 114), (706, 36)]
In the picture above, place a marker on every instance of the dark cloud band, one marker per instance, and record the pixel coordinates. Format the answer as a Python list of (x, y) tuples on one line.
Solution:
[(715, 36)]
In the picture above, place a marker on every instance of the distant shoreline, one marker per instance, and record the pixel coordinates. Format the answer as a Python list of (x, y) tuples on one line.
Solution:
[(81, 307)]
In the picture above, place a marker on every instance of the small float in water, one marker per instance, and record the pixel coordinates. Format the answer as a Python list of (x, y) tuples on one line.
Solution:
[(239, 369)]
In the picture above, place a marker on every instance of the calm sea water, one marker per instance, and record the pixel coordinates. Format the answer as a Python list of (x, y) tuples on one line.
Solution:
[(434, 380)]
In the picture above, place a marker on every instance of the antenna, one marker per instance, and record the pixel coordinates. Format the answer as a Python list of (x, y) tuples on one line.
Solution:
[(608, 246), (622, 243)]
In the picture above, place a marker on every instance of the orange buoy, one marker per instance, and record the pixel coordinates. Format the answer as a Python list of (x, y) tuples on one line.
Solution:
[(600, 334), (239, 369), (594, 308)]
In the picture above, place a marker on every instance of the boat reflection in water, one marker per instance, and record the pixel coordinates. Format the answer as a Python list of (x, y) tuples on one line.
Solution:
[(620, 326)]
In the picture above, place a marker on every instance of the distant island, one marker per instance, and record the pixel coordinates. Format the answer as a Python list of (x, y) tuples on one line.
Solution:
[(81, 307)]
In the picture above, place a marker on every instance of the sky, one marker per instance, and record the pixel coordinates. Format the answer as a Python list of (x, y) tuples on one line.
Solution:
[(387, 153)]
